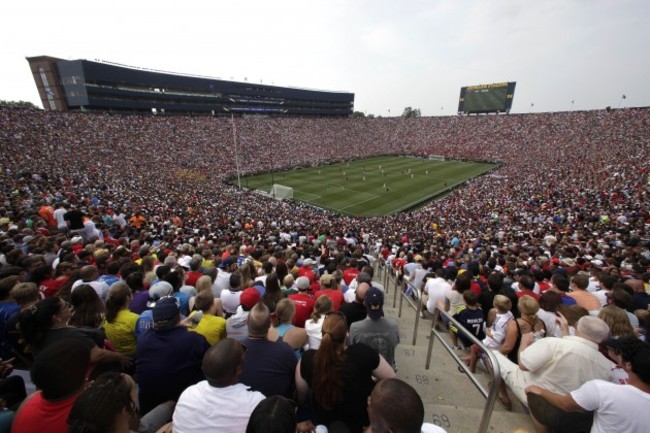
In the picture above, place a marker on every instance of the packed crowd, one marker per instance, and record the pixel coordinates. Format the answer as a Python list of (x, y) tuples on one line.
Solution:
[(127, 219)]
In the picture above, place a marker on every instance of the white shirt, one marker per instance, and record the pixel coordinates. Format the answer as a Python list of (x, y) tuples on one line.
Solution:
[(230, 301), (563, 364), (550, 320), (203, 408), (314, 332), (438, 289), (221, 283), (351, 294), (58, 216), (619, 408)]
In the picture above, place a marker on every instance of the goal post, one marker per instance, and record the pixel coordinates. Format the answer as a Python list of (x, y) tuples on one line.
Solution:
[(281, 192), (436, 157)]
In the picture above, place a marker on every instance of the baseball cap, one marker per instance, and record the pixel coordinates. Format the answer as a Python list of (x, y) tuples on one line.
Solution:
[(308, 262), (184, 262), (157, 291), (326, 280), (302, 283), (374, 301), (249, 297), (167, 308)]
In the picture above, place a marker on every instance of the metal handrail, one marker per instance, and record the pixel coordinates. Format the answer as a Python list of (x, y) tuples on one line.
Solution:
[(416, 305), (492, 392)]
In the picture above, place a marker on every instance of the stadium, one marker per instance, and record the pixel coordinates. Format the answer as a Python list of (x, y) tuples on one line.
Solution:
[(524, 193)]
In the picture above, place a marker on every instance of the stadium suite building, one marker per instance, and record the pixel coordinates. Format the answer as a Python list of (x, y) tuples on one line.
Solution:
[(70, 85)]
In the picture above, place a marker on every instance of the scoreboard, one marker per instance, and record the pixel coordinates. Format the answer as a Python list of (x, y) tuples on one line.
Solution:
[(486, 98)]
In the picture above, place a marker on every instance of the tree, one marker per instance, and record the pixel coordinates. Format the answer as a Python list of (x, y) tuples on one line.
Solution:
[(362, 115), (411, 112), (17, 104)]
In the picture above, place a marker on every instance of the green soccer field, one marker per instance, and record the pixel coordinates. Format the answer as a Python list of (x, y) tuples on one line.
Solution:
[(371, 187)]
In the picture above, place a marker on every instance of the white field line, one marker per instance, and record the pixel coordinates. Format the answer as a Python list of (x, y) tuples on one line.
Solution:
[(312, 197), (362, 201)]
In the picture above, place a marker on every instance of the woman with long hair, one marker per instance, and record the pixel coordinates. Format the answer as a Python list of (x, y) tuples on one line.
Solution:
[(46, 322), (135, 281), (617, 320), (119, 323), (281, 270), (314, 325), (87, 313), (272, 294), (340, 377)]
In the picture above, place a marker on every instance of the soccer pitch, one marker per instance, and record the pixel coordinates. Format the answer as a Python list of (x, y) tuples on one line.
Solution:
[(371, 187)]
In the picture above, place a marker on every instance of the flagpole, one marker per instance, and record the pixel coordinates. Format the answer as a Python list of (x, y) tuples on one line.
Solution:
[(234, 139)]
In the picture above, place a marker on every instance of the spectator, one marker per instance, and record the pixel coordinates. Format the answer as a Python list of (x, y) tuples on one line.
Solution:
[(270, 365), (340, 384), (356, 310), (559, 364), (616, 407), (394, 406), (303, 302), (168, 352), (220, 402), (237, 325), (376, 331), (286, 331), (120, 323), (210, 325), (314, 325), (59, 373)]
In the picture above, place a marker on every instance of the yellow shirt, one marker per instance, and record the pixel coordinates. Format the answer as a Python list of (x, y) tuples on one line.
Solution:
[(121, 333), (213, 328)]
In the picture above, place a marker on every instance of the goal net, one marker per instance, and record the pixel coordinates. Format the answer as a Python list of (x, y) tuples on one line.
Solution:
[(280, 192), (436, 157)]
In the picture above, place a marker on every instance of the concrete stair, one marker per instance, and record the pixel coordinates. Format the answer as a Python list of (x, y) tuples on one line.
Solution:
[(450, 399)]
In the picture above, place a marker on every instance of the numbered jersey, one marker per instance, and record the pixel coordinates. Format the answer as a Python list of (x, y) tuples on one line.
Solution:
[(472, 320)]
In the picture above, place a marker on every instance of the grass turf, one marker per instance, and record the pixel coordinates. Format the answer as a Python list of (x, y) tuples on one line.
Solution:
[(349, 189)]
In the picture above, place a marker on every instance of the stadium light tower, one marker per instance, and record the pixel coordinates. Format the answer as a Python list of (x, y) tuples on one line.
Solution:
[(234, 139)]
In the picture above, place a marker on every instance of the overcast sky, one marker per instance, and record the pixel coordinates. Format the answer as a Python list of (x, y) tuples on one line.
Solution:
[(391, 54)]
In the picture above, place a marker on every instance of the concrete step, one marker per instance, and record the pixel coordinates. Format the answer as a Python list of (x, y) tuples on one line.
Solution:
[(450, 399)]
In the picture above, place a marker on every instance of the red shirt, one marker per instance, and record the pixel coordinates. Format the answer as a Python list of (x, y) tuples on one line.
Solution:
[(304, 307), (38, 415), (476, 288), (398, 264), (50, 287), (307, 272), (349, 275), (529, 293), (335, 295), (192, 277)]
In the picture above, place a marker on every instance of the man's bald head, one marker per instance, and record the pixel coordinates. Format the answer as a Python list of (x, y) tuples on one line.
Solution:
[(88, 273), (222, 362), (364, 277), (362, 289)]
